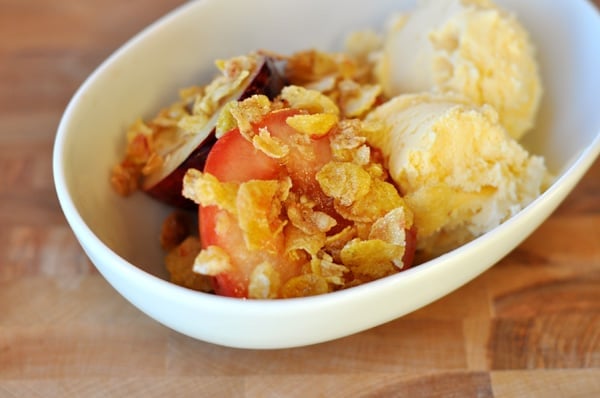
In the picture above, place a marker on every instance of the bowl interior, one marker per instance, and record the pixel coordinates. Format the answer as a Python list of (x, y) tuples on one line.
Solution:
[(181, 48)]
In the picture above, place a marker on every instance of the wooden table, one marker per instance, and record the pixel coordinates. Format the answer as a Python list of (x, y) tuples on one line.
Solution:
[(530, 326)]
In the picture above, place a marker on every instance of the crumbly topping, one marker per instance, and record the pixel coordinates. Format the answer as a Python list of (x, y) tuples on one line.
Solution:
[(356, 237), (360, 237)]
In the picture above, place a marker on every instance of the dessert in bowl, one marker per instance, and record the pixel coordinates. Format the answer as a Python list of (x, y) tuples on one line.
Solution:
[(119, 234)]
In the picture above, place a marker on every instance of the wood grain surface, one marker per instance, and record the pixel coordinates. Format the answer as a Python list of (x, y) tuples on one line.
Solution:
[(530, 326)]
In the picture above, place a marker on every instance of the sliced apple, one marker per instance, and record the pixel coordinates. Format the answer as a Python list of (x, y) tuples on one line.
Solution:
[(185, 151)]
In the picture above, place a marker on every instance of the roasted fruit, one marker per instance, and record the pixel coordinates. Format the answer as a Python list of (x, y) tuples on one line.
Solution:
[(293, 203), (235, 159)]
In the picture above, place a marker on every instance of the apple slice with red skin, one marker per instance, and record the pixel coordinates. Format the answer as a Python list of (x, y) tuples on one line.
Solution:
[(165, 184)]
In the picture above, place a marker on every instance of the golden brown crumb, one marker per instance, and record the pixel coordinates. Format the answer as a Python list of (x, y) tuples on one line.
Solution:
[(179, 262), (175, 228), (124, 179)]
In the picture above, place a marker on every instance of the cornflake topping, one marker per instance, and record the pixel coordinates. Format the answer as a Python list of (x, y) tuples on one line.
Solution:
[(347, 79), (358, 237), (264, 282), (339, 221), (212, 261), (270, 145), (206, 190), (309, 100), (259, 204), (344, 181), (247, 112), (315, 125)]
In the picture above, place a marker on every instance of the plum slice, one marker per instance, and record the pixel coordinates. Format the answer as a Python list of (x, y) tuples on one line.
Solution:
[(165, 182)]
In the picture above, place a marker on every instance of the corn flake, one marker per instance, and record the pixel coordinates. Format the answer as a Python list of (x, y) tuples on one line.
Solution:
[(371, 259), (192, 124), (304, 285), (303, 217), (348, 135), (315, 125), (347, 145), (212, 261), (355, 99), (139, 149), (249, 111), (323, 85), (204, 189), (269, 145), (381, 198), (125, 178), (311, 65), (298, 242), (310, 100), (343, 181), (258, 205), (190, 93), (179, 262), (225, 121), (264, 282), (326, 267), (392, 227), (235, 72), (334, 243), (138, 127)]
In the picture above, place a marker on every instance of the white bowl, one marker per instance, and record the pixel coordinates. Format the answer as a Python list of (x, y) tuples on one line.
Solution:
[(120, 235)]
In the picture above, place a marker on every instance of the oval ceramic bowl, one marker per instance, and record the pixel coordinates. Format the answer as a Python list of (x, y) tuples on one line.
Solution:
[(119, 235)]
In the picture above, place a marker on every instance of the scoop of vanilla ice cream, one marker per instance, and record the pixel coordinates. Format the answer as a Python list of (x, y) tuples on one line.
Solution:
[(469, 47), (459, 170)]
